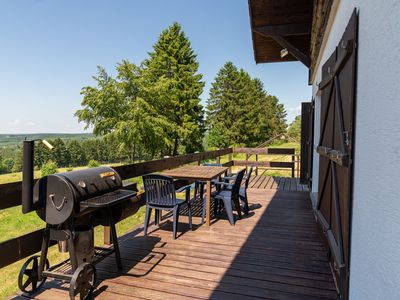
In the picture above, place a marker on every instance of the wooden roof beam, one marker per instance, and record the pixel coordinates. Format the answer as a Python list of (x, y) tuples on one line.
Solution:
[(285, 29), (298, 54)]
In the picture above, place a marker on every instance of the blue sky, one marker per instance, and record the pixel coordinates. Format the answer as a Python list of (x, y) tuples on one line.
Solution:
[(50, 50)]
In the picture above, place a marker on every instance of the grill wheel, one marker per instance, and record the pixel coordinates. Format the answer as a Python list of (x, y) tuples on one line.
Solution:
[(28, 281), (83, 282)]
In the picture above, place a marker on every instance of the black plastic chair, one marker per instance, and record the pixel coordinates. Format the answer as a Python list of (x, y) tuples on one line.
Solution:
[(161, 195), (230, 194), (243, 189), (199, 189)]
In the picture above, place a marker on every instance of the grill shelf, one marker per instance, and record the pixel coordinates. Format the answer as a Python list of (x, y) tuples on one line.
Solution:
[(63, 270), (108, 199)]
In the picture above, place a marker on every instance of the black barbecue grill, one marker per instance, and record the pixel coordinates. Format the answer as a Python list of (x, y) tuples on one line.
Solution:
[(71, 204)]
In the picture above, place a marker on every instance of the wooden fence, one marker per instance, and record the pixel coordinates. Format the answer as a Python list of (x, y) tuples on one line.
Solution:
[(293, 164), (10, 193)]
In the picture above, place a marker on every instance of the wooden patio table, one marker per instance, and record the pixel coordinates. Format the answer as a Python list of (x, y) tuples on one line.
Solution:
[(205, 173)]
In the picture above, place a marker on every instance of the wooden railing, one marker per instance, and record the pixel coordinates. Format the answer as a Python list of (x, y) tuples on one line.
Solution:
[(293, 164), (10, 193)]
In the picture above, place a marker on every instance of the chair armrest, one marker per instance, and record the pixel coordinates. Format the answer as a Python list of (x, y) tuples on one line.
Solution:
[(223, 183), (230, 174), (184, 188), (230, 177), (187, 189)]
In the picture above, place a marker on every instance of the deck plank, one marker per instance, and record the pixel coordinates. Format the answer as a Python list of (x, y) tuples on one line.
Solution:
[(273, 253)]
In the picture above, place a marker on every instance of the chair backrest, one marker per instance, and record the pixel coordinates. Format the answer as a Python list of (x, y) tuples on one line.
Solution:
[(247, 177), (238, 182), (160, 190)]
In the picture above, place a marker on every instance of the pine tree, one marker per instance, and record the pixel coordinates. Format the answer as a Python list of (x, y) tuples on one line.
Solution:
[(223, 106), (77, 153), (294, 130), (239, 110), (17, 167), (172, 83), (60, 154), (153, 109)]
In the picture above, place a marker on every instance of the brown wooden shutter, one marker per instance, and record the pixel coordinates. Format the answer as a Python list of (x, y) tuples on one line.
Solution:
[(307, 134), (335, 147)]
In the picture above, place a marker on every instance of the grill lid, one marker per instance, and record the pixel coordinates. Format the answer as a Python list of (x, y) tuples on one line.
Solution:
[(58, 196)]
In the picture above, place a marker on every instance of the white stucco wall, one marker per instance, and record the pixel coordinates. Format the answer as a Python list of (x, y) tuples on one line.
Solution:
[(375, 235)]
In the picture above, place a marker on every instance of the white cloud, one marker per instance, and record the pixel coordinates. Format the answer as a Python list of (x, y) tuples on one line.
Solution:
[(296, 109), (30, 123), (15, 122)]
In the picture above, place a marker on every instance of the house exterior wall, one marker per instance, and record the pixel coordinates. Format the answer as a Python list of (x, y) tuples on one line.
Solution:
[(375, 233)]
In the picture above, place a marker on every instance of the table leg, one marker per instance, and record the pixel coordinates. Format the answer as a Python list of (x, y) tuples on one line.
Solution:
[(208, 202)]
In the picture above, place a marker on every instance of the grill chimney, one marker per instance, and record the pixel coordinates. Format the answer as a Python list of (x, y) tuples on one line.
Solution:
[(27, 176)]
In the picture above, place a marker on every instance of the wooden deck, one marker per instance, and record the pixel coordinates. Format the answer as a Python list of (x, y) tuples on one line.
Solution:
[(273, 253), (277, 183)]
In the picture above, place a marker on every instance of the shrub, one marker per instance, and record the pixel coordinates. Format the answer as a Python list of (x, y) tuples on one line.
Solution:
[(93, 163), (3, 169), (48, 168), (8, 165)]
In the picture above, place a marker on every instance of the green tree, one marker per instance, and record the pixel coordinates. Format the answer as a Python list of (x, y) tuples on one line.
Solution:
[(60, 154), (171, 81), (116, 111), (50, 167), (153, 108), (17, 167), (294, 130), (240, 111), (42, 154), (8, 165), (93, 163), (77, 153)]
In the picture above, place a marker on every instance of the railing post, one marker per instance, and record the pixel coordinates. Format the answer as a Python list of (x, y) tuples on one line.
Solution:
[(230, 160), (107, 235), (256, 165), (293, 165), (298, 165), (199, 160)]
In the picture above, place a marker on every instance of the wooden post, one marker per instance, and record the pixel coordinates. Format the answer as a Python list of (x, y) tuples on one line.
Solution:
[(256, 165), (293, 161), (247, 161), (218, 159), (298, 165), (208, 201), (107, 235)]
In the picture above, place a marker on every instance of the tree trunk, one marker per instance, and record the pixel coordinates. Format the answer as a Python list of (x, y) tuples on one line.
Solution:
[(175, 152)]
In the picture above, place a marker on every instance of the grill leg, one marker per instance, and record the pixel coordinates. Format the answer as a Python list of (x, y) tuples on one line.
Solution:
[(43, 252), (71, 250), (115, 243)]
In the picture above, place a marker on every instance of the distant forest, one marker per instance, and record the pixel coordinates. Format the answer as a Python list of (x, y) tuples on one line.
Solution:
[(70, 150)]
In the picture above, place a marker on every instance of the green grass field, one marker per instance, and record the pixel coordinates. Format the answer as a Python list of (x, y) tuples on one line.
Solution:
[(13, 223)]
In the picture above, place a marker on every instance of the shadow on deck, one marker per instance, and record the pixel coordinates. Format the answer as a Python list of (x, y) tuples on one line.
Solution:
[(273, 253)]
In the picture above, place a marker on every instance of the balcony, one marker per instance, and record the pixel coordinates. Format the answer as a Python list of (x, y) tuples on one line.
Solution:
[(273, 253)]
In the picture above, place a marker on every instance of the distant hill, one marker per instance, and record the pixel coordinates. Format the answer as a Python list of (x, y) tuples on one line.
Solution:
[(10, 140)]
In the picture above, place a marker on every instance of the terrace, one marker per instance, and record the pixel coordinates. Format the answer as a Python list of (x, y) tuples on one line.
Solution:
[(273, 253)]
